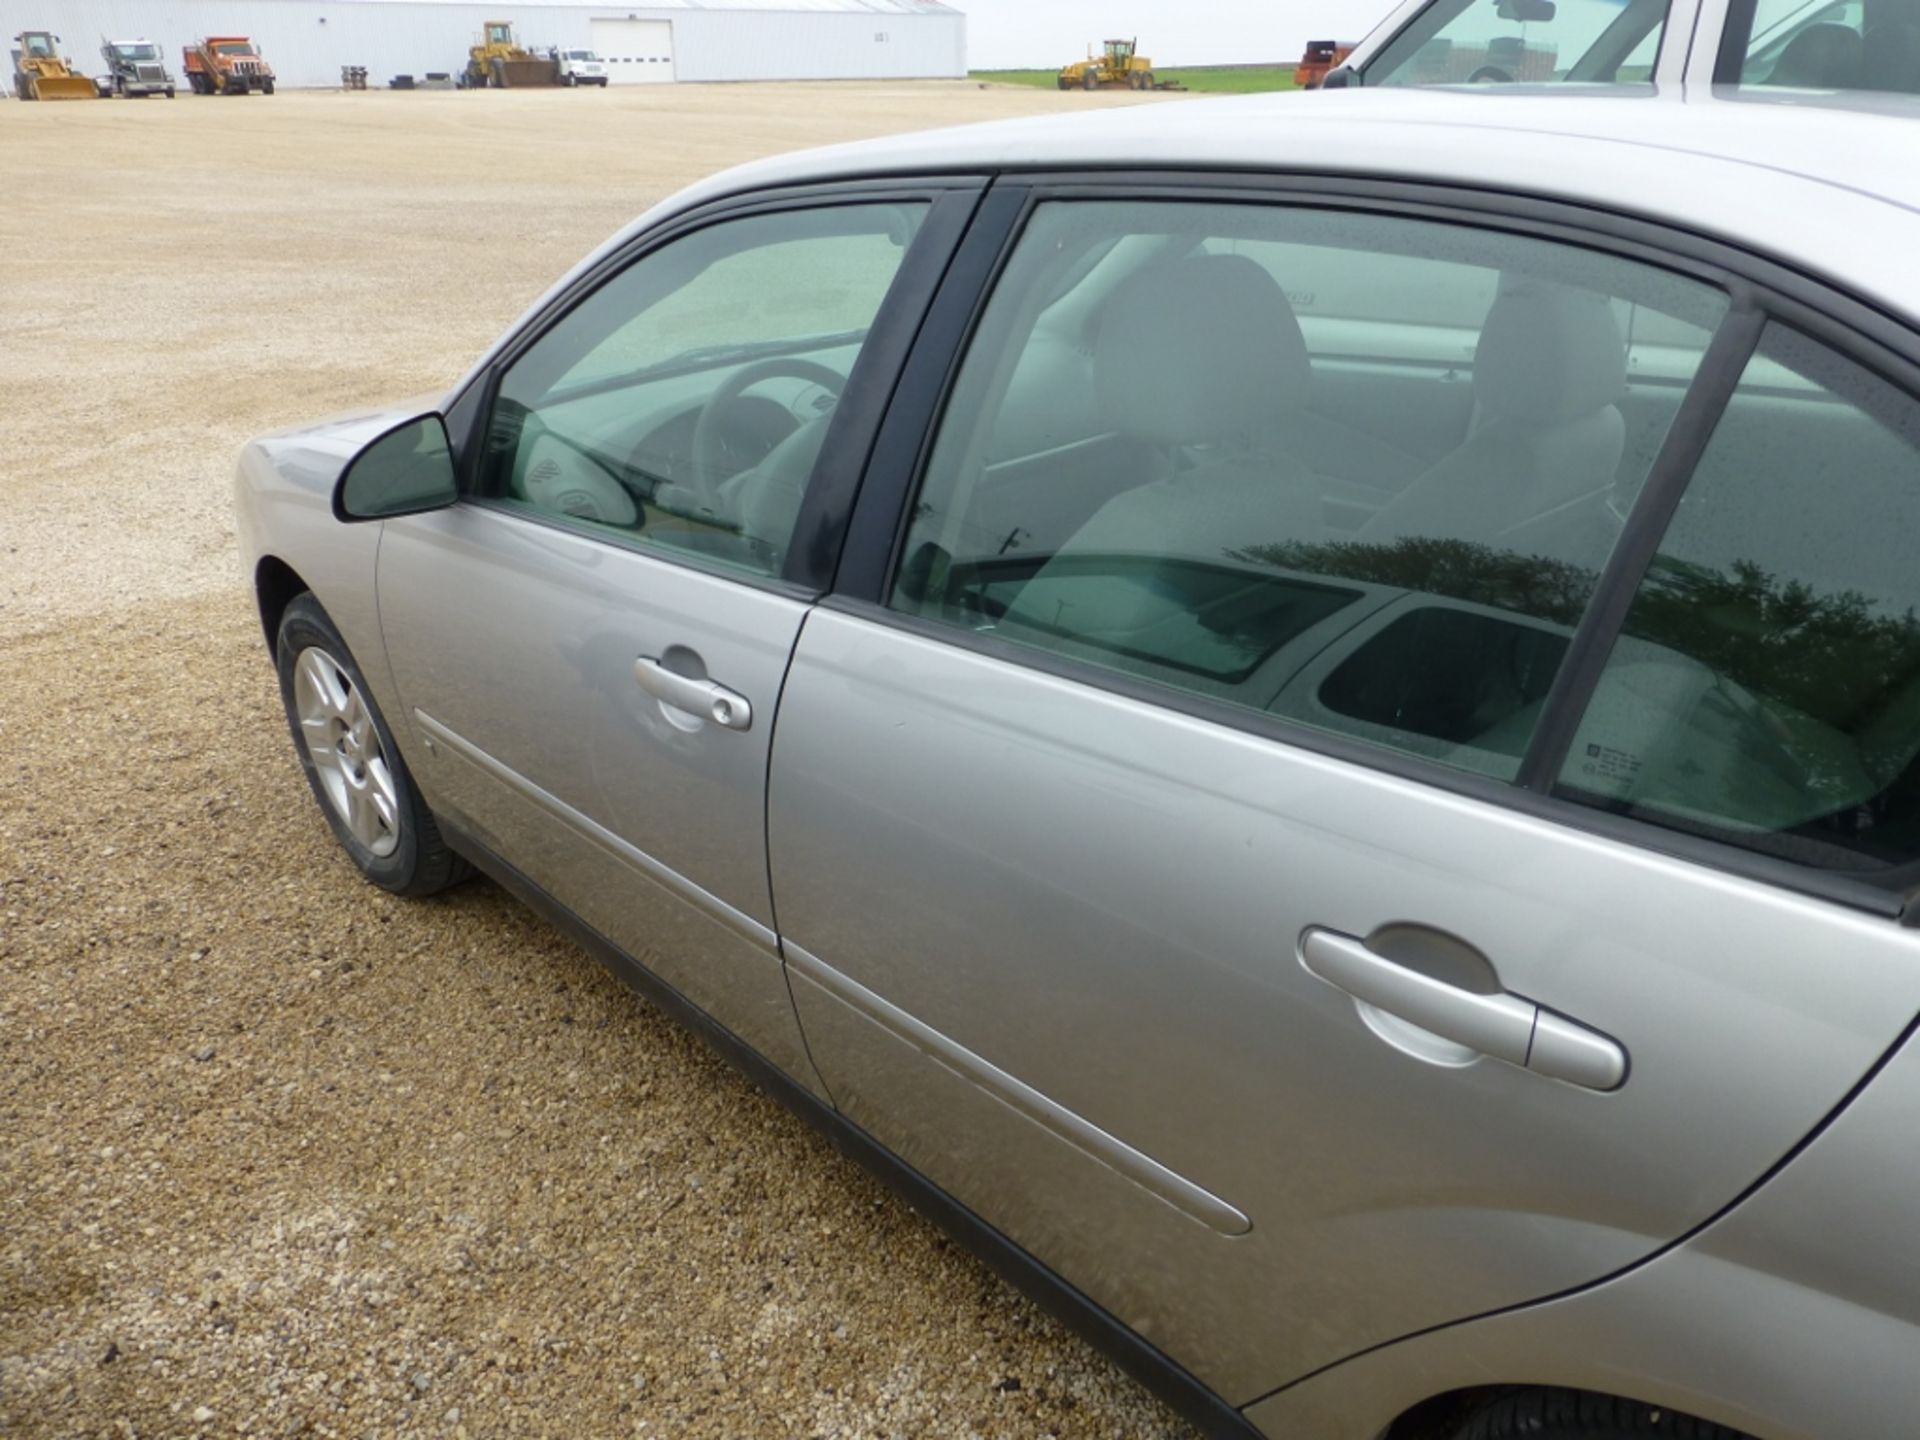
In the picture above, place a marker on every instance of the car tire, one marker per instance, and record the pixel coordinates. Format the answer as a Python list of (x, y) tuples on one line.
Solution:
[(351, 762), (1539, 1413)]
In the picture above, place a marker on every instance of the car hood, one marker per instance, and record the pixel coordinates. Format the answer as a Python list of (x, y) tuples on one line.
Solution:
[(313, 454)]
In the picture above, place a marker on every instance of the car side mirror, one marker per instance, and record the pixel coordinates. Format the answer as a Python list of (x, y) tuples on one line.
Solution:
[(1527, 11), (1339, 78), (406, 471)]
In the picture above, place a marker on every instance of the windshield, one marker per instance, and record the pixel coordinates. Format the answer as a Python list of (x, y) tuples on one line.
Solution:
[(1822, 45), (1500, 42), (138, 52), (234, 47), (39, 45), (581, 55)]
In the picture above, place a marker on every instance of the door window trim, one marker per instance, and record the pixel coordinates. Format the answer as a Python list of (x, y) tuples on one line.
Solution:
[(808, 568), (1759, 290)]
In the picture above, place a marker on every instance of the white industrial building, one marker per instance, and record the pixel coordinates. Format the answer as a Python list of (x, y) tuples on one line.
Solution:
[(308, 41)]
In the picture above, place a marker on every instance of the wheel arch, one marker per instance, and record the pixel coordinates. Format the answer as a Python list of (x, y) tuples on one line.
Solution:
[(1428, 1418), (275, 584), (1544, 1409)]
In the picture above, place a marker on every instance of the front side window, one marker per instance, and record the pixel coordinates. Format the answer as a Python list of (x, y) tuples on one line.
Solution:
[(683, 403), (1479, 42), (1358, 471), (1766, 687)]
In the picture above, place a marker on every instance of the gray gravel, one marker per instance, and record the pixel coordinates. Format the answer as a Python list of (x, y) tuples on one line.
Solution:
[(280, 1155)]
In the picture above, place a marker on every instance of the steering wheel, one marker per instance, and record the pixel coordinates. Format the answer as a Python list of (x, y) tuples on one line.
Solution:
[(1489, 75), (708, 457)]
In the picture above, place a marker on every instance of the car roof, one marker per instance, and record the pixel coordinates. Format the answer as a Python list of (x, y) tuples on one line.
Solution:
[(1823, 184)]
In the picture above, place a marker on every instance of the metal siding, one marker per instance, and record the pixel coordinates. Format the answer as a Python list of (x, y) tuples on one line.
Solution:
[(393, 37), (802, 45)]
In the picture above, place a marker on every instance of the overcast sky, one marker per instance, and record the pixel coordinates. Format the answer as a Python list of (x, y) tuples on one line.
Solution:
[(1016, 34)]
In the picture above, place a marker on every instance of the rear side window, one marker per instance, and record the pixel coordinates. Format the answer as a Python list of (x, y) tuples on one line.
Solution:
[(1821, 45), (1766, 687), (1383, 523)]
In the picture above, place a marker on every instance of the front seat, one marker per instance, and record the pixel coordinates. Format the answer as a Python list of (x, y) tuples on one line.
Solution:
[(1892, 44), (1200, 364), (1538, 471), (1822, 57)]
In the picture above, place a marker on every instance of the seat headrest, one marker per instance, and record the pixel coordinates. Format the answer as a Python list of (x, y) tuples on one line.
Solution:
[(1197, 351), (1548, 355)]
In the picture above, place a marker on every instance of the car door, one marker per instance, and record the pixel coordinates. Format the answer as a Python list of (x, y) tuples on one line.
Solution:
[(1184, 873), (590, 644)]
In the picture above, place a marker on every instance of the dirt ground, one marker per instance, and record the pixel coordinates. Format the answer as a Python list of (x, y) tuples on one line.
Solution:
[(279, 1155)]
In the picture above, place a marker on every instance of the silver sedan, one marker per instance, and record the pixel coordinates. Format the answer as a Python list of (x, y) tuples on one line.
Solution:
[(1301, 718)]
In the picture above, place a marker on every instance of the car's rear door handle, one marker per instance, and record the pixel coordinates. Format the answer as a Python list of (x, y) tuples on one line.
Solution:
[(708, 699), (1504, 1026)]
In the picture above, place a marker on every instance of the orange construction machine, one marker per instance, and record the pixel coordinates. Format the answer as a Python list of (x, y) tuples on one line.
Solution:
[(226, 65), (1320, 57)]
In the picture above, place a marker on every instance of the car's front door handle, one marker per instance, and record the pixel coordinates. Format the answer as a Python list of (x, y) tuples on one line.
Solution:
[(706, 698), (1504, 1026)]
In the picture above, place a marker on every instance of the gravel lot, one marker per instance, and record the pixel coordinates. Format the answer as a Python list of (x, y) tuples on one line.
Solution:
[(280, 1155)]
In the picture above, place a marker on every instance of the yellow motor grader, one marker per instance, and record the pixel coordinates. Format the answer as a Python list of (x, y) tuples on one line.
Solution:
[(39, 72), (1117, 66)]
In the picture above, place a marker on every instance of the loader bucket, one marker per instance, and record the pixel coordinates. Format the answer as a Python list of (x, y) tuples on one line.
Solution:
[(524, 73), (64, 87)]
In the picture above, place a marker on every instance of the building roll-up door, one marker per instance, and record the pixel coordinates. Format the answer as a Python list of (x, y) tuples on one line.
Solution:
[(636, 51)]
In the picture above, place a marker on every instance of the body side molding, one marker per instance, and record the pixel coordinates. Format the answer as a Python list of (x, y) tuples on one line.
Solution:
[(631, 855), (1143, 1170), (1175, 1386)]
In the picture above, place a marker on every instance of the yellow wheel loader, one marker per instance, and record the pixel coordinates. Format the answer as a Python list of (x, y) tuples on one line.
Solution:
[(39, 73), (1117, 66), (500, 62)]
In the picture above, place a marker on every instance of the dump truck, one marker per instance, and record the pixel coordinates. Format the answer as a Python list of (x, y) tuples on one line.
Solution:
[(500, 62), (40, 73), (226, 65), (135, 68), (1320, 57), (1118, 65)]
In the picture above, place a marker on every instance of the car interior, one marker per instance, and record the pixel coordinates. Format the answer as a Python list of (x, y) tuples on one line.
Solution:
[(1486, 42), (685, 403), (1359, 475), (1228, 462), (1830, 45), (1871, 45)]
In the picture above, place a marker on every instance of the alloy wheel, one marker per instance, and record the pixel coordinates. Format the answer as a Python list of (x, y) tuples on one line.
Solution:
[(352, 765)]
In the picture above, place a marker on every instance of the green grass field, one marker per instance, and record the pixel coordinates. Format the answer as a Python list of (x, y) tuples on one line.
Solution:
[(1218, 80)]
